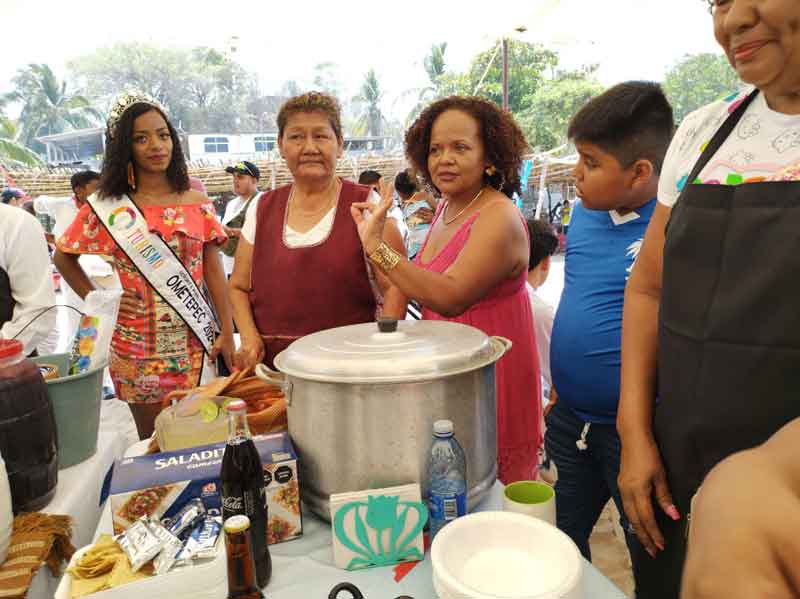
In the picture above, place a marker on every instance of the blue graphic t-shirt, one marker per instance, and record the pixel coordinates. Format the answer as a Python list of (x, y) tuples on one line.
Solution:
[(585, 347)]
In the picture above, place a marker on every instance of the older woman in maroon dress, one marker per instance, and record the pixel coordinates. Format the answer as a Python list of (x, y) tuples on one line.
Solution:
[(300, 266)]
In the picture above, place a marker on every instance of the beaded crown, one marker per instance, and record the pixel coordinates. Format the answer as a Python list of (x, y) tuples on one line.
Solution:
[(122, 104)]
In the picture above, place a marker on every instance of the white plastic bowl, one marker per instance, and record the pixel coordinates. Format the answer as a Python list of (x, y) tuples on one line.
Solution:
[(502, 555)]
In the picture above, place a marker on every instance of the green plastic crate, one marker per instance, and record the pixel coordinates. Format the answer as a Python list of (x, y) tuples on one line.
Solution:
[(76, 404)]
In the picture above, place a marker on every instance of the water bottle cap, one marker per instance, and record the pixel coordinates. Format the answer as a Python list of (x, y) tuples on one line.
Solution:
[(443, 427), (236, 524)]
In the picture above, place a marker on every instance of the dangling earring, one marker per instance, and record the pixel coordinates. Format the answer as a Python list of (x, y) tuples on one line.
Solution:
[(491, 171), (131, 176), (502, 183)]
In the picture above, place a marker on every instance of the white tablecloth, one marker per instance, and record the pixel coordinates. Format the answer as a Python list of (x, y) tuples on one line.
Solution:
[(78, 495), (304, 568)]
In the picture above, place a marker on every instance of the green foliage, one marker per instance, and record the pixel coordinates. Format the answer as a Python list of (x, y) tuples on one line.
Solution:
[(697, 80), (48, 107), (546, 121), (528, 66), (11, 151), (435, 66), (326, 78), (435, 63), (203, 89), (370, 120), (542, 99)]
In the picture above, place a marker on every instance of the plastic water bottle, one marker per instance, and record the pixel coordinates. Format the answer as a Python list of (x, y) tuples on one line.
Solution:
[(447, 477)]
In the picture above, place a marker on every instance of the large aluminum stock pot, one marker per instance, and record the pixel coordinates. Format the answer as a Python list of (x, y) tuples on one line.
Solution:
[(362, 401)]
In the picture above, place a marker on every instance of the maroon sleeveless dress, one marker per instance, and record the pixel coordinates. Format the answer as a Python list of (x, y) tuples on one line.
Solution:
[(301, 290)]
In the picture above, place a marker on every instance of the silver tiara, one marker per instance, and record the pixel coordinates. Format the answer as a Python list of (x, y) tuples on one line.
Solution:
[(122, 104)]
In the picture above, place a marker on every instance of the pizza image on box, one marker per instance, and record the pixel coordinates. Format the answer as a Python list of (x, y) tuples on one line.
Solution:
[(278, 530), (288, 497), (143, 503)]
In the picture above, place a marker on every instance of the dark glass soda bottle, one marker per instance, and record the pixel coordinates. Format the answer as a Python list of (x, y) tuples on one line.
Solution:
[(243, 491), (241, 567)]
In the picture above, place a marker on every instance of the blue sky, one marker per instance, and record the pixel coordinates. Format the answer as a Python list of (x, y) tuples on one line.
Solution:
[(284, 39)]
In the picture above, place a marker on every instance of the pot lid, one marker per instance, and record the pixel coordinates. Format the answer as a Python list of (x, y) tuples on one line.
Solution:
[(388, 352)]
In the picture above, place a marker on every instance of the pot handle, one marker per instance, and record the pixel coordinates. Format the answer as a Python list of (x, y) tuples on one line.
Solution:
[(500, 345), (345, 586), (265, 373)]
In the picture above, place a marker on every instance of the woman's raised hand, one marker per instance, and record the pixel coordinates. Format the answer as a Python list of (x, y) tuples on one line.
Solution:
[(370, 220)]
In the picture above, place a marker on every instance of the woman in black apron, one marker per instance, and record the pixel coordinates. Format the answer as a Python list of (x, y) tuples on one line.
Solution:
[(716, 336)]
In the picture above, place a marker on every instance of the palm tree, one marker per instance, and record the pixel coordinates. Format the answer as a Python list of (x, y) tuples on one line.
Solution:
[(435, 66), (47, 106), (371, 118), (12, 152)]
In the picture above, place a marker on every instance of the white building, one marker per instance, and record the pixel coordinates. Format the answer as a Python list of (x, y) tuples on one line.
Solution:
[(86, 146), (226, 147)]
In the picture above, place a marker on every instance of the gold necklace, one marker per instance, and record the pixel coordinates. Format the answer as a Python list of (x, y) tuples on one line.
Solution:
[(460, 212), (324, 208)]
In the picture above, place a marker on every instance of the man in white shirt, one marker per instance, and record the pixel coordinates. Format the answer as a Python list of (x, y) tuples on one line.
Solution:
[(374, 180), (26, 287), (245, 186)]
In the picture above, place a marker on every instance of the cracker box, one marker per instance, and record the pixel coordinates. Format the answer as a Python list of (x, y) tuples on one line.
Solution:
[(161, 484)]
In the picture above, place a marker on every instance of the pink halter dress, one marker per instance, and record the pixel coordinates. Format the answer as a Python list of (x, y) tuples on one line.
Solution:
[(506, 312)]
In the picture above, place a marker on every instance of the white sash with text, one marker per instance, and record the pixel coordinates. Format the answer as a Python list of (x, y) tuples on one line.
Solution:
[(157, 263)]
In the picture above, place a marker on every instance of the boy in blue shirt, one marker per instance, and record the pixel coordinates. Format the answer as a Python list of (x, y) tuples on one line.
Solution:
[(621, 137)]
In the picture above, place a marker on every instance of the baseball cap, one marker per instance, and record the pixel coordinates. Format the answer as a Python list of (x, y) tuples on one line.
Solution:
[(12, 193), (244, 168)]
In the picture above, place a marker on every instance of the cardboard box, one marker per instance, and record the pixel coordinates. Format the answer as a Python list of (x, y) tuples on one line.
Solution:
[(161, 484)]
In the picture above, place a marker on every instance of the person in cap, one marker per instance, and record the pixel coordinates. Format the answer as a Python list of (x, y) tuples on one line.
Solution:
[(245, 186), (300, 267), (13, 197)]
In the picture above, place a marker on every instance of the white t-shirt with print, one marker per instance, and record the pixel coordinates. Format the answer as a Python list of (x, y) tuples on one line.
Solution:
[(763, 143)]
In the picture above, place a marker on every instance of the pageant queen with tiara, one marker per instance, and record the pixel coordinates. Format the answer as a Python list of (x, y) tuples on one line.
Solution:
[(164, 239)]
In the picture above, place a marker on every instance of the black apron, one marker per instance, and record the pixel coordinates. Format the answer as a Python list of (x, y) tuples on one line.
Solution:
[(6, 300), (729, 337)]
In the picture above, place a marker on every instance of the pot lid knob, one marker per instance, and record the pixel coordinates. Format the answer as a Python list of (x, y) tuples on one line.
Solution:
[(387, 325)]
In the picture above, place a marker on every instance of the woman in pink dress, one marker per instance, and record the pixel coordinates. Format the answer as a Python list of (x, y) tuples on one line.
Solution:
[(473, 265)]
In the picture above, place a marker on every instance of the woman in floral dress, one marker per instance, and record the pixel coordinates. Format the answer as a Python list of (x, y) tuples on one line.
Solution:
[(153, 351)]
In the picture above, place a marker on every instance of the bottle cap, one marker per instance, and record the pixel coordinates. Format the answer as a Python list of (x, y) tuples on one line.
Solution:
[(443, 427), (236, 524), (237, 405), (10, 348)]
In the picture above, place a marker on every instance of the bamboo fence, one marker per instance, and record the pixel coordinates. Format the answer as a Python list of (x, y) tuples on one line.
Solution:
[(274, 173)]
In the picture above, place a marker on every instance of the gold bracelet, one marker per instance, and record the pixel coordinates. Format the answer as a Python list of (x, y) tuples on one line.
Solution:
[(385, 257)]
